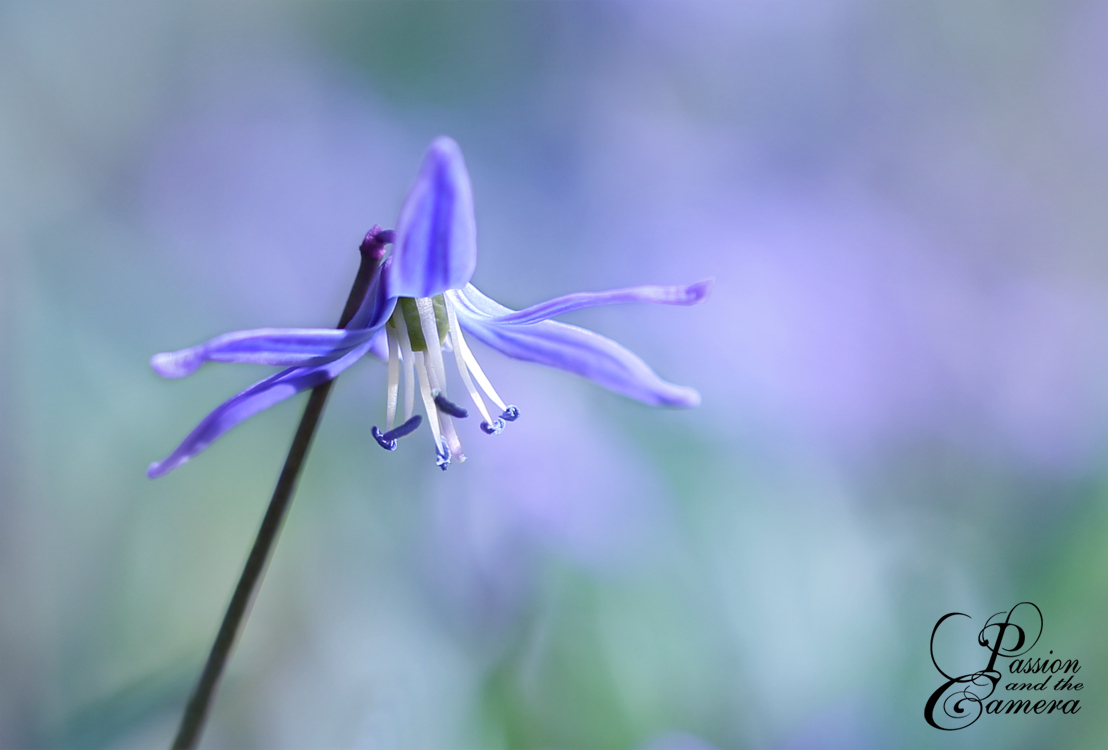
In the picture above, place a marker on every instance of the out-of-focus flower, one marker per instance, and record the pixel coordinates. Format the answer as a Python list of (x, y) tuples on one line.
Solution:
[(417, 306)]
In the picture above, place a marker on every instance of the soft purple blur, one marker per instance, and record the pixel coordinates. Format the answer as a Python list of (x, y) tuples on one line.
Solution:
[(902, 366)]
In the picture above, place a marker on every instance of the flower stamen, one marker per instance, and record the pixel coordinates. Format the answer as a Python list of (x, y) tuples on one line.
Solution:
[(388, 439), (458, 344), (492, 428), (479, 374), (442, 455), (394, 379), (431, 324), (447, 406), (397, 325), (428, 399), (468, 363), (436, 371)]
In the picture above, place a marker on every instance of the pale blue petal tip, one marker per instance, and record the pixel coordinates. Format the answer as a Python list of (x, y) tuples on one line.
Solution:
[(177, 364), (699, 291), (685, 398), (445, 148), (161, 468)]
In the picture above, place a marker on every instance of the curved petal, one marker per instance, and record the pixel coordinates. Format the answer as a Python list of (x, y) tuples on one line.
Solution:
[(288, 347), (436, 235), (379, 345), (285, 347), (568, 348), (377, 305), (657, 295), (254, 399)]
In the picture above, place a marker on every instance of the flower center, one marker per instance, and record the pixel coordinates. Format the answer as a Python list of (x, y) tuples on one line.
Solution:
[(418, 332), (409, 313)]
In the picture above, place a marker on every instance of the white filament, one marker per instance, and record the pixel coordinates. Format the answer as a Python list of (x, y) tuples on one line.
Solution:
[(394, 378), (459, 345), (470, 361), (435, 373), (430, 328), (426, 371), (428, 399), (409, 361)]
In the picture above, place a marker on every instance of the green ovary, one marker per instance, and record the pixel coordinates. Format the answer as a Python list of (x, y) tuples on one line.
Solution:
[(407, 308)]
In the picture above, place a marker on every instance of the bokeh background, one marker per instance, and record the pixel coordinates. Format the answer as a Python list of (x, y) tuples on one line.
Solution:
[(903, 366)]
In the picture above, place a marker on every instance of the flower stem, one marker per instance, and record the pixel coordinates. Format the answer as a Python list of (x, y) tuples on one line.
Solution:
[(196, 712)]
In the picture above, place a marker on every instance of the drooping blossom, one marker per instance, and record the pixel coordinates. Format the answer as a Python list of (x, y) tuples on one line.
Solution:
[(418, 308)]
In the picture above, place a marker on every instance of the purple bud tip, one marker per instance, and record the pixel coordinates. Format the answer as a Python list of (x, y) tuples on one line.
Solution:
[(510, 414), (699, 291), (389, 445), (405, 429), (495, 428), (442, 456), (375, 241), (449, 407)]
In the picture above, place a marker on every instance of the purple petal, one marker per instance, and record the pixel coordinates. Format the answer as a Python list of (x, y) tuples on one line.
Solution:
[(568, 348), (658, 295), (436, 235), (379, 345), (288, 347), (254, 399), (377, 305), (285, 347)]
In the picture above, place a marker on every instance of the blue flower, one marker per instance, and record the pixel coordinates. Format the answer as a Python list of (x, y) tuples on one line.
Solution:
[(419, 307)]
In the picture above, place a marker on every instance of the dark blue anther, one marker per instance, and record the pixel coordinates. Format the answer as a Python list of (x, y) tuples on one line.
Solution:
[(405, 429), (388, 440), (510, 414), (442, 456), (448, 407), (495, 428), (389, 445)]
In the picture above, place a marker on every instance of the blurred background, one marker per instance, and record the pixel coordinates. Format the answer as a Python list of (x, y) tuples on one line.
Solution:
[(903, 365)]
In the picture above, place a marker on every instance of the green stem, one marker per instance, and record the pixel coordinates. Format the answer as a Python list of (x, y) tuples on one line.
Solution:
[(196, 712)]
